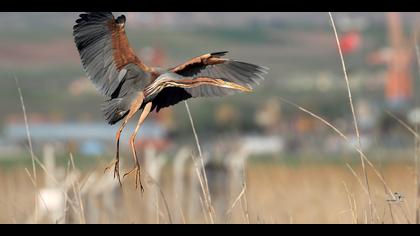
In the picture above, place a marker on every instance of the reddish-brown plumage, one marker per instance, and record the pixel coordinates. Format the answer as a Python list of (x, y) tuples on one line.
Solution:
[(206, 59), (154, 74), (122, 52)]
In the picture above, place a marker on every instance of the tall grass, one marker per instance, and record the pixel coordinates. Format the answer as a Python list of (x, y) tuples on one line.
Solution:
[(417, 142), (201, 171), (33, 177), (356, 127)]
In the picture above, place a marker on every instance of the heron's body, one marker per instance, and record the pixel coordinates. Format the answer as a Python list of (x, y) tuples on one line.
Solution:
[(129, 85)]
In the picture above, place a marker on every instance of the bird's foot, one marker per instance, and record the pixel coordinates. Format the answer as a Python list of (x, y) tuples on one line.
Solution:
[(110, 165), (117, 172), (116, 165), (138, 177)]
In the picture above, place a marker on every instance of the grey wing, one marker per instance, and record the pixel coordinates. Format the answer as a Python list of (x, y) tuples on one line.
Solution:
[(105, 52), (214, 66), (211, 66)]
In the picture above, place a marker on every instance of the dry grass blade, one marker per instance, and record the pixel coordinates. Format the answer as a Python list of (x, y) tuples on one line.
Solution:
[(28, 134), (201, 174), (245, 200), (38, 193), (237, 199), (357, 177), (417, 138), (34, 158), (352, 207), (197, 142), (394, 220), (416, 178), (32, 177), (181, 211), (417, 144), (203, 189), (203, 169), (165, 202), (50, 176), (377, 173), (356, 127), (405, 125), (76, 191)]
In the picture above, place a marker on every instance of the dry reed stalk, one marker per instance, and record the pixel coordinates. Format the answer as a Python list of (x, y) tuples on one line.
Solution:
[(28, 134), (377, 173), (181, 211), (37, 193), (350, 198), (237, 199), (405, 125), (357, 178), (203, 208), (416, 145), (203, 169), (206, 201), (31, 150), (392, 214), (202, 176), (417, 163), (416, 142), (76, 191), (165, 202), (34, 158), (356, 127), (416, 178), (244, 198), (44, 169)]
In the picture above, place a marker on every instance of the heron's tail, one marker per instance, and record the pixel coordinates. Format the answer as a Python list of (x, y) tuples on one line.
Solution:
[(114, 110)]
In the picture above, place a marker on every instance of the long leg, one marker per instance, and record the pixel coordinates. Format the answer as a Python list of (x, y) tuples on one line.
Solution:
[(135, 105), (142, 118), (116, 162)]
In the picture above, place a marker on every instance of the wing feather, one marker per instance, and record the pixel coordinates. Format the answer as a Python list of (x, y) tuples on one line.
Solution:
[(105, 51), (211, 66)]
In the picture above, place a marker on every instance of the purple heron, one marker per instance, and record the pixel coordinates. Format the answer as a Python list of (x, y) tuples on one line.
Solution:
[(129, 85)]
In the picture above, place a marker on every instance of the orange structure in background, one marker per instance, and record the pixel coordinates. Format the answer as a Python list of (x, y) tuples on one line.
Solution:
[(398, 88), (350, 42)]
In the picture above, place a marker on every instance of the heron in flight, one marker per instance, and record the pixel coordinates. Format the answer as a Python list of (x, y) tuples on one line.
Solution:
[(129, 85)]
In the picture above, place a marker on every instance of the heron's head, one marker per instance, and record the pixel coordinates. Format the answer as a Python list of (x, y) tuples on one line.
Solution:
[(121, 20)]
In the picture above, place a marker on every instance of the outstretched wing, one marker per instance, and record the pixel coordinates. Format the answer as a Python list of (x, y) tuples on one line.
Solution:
[(214, 66), (106, 55), (239, 76)]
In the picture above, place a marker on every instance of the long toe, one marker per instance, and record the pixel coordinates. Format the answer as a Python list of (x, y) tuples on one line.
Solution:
[(130, 172), (112, 164), (117, 173), (138, 180)]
